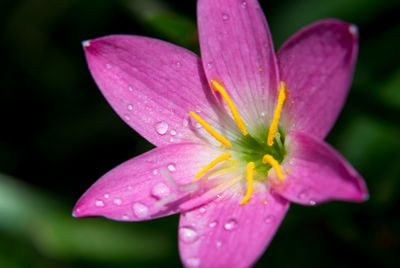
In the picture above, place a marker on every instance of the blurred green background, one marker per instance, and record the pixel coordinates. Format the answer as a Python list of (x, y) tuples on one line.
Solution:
[(58, 135)]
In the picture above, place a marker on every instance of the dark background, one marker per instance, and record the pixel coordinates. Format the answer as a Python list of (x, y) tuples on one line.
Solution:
[(58, 135)]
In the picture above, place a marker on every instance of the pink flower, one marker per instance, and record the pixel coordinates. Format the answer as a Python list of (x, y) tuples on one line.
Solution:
[(239, 133)]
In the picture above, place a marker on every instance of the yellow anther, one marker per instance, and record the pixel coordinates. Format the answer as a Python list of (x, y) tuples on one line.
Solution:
[(249, 178), (277, 114), (212, 164), (210, 130), (215, 85), (269, 159)]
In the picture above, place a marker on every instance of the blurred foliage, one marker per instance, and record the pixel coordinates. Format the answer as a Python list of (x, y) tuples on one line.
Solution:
[(58, 135)]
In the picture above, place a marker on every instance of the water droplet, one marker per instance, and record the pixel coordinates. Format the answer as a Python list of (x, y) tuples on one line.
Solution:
[(265, 202), (125, 217), (130, 188), (187, 234), (197, 125), (230, 225), (313, 203), (262, 113), (193, 262), (106, 196), (99, 203), (219, 244), (130, 107), (303, 194), (130, 88), (244, 4), (353, 29), (160, 190), (209, 65), (171, 140), (117, 201), (171, 167), (108, 66), (203, 209), (155, 172), (269, 219), (212, 224), (161, 128), (140, 210), (127, 117), (173, 132), (225, 16), (178, 64)]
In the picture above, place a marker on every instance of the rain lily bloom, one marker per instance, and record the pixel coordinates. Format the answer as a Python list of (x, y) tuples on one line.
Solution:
[(238, 133)]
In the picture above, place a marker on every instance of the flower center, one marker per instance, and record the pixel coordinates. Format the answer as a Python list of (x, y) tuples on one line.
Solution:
[(259, 158)]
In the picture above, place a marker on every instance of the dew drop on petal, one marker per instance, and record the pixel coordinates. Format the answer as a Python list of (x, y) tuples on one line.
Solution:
[(173, 132), (108, 66), (212, 224), (125, 217), (130, 88), (171, 139), (141, 211), (209, 65), (244, 4), (99, 203), (219, 244), (130, 107), (127, 118), (202, 210), (193, 262), (171, 167), (161, 128), (117, 201), (106, 196), (230, 225), (178, 64), (155, 172), (303, 195), (160, 190), (187, 234), (225, 16), (130, 188), (269, 219), (313, 203), (185, 123)]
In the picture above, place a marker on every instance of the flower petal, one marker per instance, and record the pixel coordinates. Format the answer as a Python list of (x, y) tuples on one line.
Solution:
[(152, 185), (226, 234), (236, 48), (316, 173), (152, 85), (317, 65)]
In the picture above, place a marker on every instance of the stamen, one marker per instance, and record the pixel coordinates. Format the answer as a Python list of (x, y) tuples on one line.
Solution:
[(215, 85), (271, 160), (249, 178), (277, 114), (210, 130), (212, 164)]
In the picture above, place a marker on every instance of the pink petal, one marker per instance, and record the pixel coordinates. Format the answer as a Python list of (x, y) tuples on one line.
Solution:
[(152, 185), (152, 85), (317, 65), (237, 49), (226, 234), (315, 173)]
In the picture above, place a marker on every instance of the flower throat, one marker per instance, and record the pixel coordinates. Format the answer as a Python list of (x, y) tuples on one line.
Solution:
[(260, 157)]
